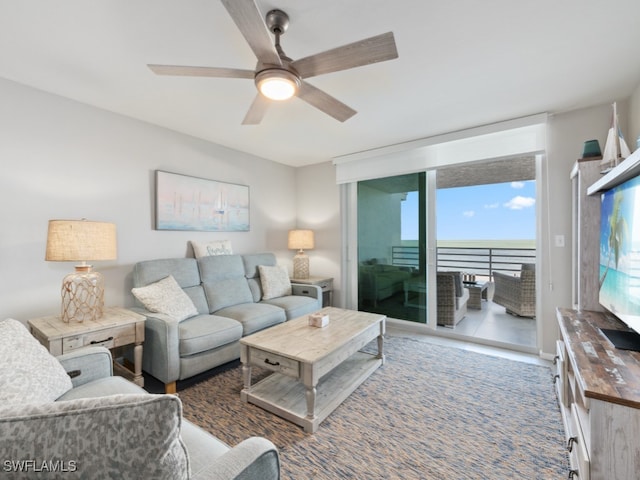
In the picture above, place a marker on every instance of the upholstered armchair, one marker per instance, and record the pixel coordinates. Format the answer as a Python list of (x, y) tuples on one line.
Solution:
[(517, 293)]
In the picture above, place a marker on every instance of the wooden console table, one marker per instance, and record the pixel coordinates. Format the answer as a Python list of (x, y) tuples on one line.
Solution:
[(598, 390)]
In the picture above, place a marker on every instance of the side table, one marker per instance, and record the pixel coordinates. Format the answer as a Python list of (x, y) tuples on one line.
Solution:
[(118, 327), (325, 283), (479, 291)]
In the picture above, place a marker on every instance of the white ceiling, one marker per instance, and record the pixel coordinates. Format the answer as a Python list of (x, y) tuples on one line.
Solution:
[(462, 63)]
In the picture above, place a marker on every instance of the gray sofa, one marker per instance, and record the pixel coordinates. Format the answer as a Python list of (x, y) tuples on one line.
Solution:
[(229, 300), (94, 425)]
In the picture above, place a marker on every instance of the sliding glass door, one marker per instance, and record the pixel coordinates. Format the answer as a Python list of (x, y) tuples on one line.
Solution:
[(392, 240)]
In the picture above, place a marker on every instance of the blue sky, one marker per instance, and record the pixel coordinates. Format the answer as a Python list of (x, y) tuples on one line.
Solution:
[(500, 211)]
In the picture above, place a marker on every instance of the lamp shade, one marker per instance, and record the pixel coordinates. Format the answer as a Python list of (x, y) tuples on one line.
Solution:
[(80, 240), (301, 239)]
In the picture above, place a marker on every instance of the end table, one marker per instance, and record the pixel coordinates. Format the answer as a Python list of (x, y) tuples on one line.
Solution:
[(118, 327), (325, 283)]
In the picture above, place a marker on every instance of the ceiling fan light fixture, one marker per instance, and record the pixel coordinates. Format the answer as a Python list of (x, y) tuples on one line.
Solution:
[(277, 83)]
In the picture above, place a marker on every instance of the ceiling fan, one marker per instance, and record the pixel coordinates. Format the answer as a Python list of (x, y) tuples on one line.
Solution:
[(278, 77)]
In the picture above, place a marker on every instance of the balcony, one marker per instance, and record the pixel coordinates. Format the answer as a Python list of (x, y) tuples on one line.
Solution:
[(478, 261), (490, 324)]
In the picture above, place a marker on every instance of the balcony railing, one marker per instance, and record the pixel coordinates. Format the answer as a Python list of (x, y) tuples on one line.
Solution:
[(479, 261)]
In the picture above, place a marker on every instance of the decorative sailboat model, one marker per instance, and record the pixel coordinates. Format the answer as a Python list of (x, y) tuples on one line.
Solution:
[(615, 149)]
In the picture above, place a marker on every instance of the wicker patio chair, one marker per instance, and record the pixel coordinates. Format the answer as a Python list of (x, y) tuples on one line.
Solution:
[(517, 293), (452, 298)]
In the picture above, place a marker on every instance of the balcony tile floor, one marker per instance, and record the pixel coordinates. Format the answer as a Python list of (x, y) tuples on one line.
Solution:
[(490, 325)]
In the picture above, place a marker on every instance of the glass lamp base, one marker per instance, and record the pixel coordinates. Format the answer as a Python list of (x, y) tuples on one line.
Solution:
[(82, 296), (301, 266)]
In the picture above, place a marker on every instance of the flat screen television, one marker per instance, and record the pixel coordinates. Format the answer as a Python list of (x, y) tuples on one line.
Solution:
[(620, 259)]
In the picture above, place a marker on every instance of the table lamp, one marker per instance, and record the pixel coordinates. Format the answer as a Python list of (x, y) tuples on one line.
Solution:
[(301, 240), (80, 241)]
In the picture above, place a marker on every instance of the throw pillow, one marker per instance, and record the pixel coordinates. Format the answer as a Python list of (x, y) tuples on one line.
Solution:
[(166, 296), (217, 247), (275, 281), (28, 372)]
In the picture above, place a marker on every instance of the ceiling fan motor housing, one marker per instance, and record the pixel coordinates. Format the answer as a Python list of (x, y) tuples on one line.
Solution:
[(277, 21)]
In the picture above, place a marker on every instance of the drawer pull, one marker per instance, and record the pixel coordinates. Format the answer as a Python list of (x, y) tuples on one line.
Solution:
[(94, 342), (555, 359), (269, 362), (570, 443), (573, 474), (555, 377), (74, 373)]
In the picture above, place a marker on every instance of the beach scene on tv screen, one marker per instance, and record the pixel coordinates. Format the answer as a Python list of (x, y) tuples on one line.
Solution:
[(620, 252)]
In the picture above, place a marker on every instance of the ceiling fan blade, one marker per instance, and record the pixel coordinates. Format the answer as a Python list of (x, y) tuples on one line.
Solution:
[(325, 102), (256, 111), (364, 52), (201, 71), (247, 16)]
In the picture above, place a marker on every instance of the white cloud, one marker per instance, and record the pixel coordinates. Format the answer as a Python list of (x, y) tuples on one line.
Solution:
[(469, 213), (492, 205), (519, 203), (517, 184)]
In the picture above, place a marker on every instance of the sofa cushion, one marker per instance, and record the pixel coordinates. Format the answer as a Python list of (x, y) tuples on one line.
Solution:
[(28, 372), (122, 436), (206, 332), (184, 270), (275, 281), (224, 281), (166, 296), (251, 263), (214, 247), (295, 305), (254, 316)]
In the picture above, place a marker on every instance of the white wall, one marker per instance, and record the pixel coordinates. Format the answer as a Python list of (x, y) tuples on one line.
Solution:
[(63, 159), (634, 119), (566, 134), (318, 208)]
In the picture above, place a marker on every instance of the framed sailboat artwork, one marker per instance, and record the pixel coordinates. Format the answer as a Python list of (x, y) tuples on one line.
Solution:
[(191, 203)]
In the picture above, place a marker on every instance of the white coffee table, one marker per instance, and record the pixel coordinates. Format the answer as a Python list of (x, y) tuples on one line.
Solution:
[(315, 369)]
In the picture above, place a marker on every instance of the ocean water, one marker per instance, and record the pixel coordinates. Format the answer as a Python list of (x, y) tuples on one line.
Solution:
[(478, 243)]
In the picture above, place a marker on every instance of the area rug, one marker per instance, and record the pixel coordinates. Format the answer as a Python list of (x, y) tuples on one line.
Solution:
[(430, 412)]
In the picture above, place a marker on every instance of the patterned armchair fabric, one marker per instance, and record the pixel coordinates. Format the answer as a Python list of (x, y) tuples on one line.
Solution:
[(117, 436), (517, 293), (101, 426)]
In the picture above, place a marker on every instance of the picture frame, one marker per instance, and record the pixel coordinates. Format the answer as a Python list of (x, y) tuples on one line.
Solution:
[(190, 203)]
